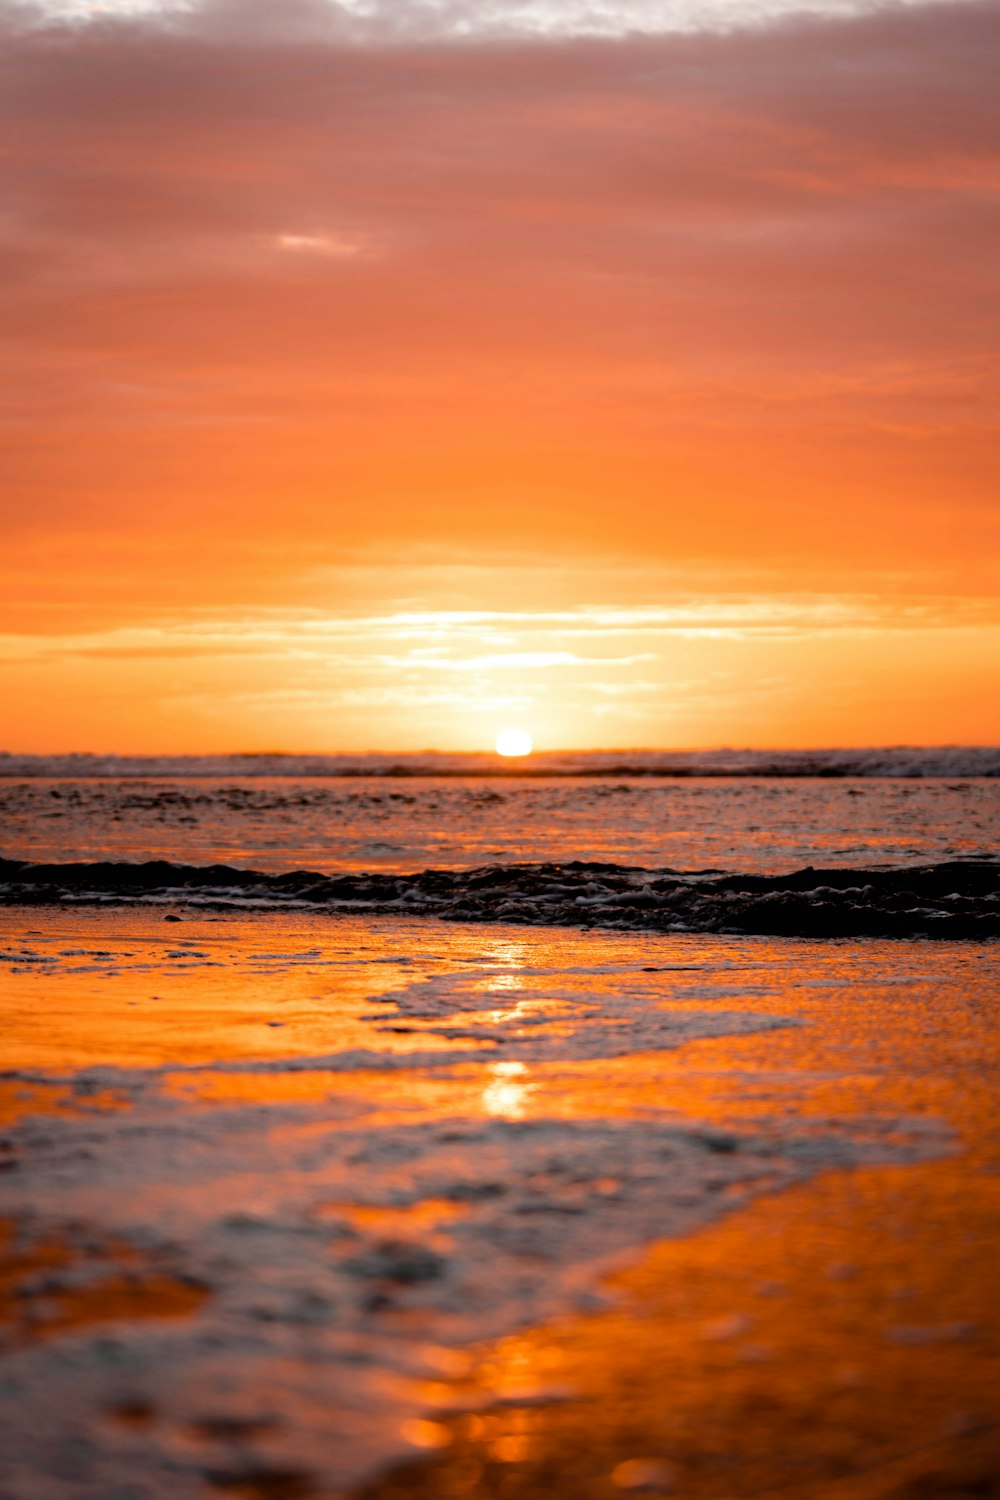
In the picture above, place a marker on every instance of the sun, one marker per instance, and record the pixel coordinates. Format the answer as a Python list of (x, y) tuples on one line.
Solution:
[(513, 742)]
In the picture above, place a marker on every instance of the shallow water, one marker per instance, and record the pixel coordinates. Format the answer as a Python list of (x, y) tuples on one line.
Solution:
[(325, 823), (268, 1181), (298, 1188)]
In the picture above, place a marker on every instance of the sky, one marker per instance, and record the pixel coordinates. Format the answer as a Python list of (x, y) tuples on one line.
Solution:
[(383, 374)]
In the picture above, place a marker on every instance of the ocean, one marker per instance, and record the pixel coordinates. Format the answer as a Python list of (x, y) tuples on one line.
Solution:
[(385, 1127), (722, 841)]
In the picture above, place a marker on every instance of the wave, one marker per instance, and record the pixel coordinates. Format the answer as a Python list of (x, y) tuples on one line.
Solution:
[(896, 761), (957, 899)]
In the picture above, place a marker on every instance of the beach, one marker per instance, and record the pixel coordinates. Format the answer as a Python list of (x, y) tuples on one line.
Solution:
[(301, 1204), (500, 754)]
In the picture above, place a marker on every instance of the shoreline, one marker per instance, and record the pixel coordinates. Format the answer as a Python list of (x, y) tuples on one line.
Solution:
[(763, 1356), (829, 1202)]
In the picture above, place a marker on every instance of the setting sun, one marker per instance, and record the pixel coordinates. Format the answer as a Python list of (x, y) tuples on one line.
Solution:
[(513, 742)]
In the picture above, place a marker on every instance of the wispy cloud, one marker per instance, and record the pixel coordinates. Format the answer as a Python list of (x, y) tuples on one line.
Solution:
[(432, 641), (783, 670), (338, 245), (673, 323), (388, 22)]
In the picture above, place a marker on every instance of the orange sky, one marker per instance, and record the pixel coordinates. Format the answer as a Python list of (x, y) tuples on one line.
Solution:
[(368, 390)]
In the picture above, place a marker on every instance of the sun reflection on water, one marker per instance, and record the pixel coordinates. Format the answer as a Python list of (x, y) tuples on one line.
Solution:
[(507, 952), (497, 983), (506, 1095)]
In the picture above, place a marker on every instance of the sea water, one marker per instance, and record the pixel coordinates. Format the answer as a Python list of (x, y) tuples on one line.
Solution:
[(280, 1153), (410, 813)]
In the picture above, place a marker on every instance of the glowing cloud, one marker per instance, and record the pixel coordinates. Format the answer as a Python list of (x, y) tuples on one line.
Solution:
[(386, 389), (400, 21)]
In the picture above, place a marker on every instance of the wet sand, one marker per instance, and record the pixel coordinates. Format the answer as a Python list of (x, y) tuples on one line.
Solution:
[(751, 1252), (839, 1341)]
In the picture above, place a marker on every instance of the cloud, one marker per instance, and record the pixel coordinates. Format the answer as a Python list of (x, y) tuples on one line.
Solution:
[(779, 671), (335, 244), (717, 300), (429, 643), (398, 22)]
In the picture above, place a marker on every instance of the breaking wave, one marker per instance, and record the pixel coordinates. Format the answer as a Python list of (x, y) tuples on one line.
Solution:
[(957, 899), (897, 761)]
